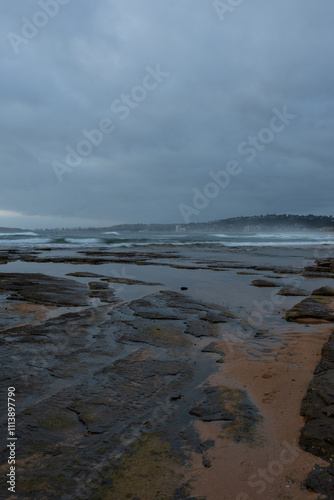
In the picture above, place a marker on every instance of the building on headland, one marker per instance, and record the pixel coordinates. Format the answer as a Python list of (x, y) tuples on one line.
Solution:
[(180, 229)]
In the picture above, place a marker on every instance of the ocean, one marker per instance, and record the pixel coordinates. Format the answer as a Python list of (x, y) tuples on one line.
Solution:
[(111, 240)]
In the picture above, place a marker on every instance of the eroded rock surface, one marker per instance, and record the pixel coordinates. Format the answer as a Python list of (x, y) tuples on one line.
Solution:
[(265, 283), (315, 309), (323, 268), (42, 289), (317, 435), (293, 291), (104, 389)]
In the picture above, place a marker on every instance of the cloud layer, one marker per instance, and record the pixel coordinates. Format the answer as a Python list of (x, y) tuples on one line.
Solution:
[(165, 92)]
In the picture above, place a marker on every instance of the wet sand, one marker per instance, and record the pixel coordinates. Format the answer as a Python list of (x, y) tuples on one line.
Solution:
[(274, 467)]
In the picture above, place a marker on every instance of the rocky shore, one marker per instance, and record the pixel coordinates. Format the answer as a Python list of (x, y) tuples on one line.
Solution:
[(317, 435), (113, 394)]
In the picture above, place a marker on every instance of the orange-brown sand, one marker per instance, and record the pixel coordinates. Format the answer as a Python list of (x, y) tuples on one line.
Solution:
[(274, 467)]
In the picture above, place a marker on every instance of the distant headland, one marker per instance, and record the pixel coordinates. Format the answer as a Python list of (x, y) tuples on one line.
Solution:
[(243, 224)]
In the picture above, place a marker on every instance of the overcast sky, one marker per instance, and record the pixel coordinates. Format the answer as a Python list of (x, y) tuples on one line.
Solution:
[(193, 110)]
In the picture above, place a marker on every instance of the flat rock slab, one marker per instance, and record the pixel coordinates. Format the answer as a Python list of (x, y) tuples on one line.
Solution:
[(325, 291), (176, 306), (265, 283), (85, 275), (232, 407), (292, 291), (43, 289), (314, 309), (98, 385), (317, 435), (321, 480), (323, 268), (130, 281), (215, 348)]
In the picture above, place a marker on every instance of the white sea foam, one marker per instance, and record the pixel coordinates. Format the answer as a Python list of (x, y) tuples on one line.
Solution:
[(83, 241), (24, 241), (28, 233), (112, 239)]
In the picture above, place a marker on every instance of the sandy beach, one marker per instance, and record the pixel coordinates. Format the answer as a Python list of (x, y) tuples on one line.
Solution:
[(152, 375), (275, 466)]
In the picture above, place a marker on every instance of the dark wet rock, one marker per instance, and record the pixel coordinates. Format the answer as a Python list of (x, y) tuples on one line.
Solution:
[(163, 320), (134, 256), (9, 255), (325, 291), (104, 296), (317, 435), (206, 461), (155, 308), (183, 288), (183, 266), (42, 289), (154, 333), (310, 274), (101, 291), (132, 366), (265, 283), (200, 329), (148, 471), (244, 273), (169, 336), (175, 398), (168, 305), (315, 308), (321, 481), (261, 333), (212, 407), (128, 281), (97, 285), (206, 312), (327, 356), (231, 406), (328, 410), (99, 257), (54, 349), (85, 275), (292, 291), (222, 316), (323, 268), (206, 445), (65, 260), (286, 270), (97, 386), (215, 348)]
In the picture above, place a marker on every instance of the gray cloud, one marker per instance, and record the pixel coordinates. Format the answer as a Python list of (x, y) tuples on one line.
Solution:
[(225, 78)]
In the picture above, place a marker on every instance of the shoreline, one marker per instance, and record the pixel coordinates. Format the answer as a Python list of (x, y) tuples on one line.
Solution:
[(102, 340)]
